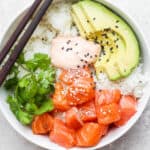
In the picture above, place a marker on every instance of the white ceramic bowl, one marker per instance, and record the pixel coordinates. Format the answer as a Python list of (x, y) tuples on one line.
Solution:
[(113, 134)]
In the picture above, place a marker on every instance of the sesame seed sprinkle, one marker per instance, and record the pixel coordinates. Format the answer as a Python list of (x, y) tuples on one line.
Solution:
[(68, 42), (107, 60), (107, 43), (76, 44), (68, 49), (113, 32), (111, 48), (94, 18)]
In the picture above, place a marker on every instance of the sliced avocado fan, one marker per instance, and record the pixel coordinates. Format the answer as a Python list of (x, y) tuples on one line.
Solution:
[(120, 49)]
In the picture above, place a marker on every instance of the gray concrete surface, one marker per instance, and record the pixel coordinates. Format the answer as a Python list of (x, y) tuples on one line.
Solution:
[(138, 138)]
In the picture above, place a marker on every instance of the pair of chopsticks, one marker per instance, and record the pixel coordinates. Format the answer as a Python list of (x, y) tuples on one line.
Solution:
[(37, 10)]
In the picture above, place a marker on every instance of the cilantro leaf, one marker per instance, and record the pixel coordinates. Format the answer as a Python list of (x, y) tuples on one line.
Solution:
[(45, 107), (39, 61), (31, 91), (28, 87)]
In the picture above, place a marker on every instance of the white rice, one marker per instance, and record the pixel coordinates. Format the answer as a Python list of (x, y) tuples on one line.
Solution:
[(58, 20), (134, 84)]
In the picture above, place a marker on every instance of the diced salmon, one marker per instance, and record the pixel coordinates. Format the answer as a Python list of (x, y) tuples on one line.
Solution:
[(88, 111), (109, 113), (59, 98), (73, 119), (108, 96), (89, 135), (63, 135), (70, 75), (42, 124), (128, 105)]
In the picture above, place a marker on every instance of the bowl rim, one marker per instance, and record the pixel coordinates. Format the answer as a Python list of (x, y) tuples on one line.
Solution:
[(124, 14)]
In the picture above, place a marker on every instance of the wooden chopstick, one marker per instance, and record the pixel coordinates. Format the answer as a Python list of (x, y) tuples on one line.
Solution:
[(5, 50), (23, 40)]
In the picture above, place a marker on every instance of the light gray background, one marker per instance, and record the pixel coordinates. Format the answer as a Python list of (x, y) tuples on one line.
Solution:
[(138, 138)]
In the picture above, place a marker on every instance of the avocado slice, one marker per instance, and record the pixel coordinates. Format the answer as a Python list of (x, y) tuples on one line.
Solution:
[(121, 51), (82, 19), (79, 26)]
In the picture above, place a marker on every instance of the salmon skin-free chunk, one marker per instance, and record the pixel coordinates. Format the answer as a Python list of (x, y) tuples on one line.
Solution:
[(73, 52)]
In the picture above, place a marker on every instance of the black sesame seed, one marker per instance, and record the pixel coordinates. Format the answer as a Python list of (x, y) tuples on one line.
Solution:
[(62, 48), (111, 48), (68, 49), (99, 90), (89, 65), (117, 21), (94, 18), (94, 88), (104, 34), (78, 66), (88, 21), (87, 54), (76, 44), (107, 43), (83, 66), (91, 56), (116, 26), (106, 37), (86, 62), (96, 38), (117, 46), (101, 71), (107, 60), (96, 42), (81, 60), (107, 29), (95, 55), (113, 32), (68, 42)]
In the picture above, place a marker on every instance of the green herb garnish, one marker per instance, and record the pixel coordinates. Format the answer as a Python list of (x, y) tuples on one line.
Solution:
[(31, 92)]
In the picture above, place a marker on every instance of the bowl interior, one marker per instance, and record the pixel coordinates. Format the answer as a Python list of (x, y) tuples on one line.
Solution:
[(113, 134)]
